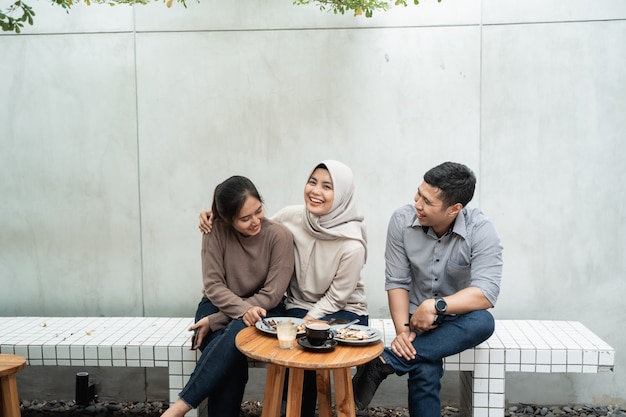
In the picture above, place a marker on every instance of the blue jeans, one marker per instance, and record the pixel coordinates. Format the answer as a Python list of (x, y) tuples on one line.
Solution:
[(454, 335), (309, 392), (221, 373)]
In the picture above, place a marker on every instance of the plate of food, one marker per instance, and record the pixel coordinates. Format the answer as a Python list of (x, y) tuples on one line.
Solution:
[(268, 325), (357, 335)]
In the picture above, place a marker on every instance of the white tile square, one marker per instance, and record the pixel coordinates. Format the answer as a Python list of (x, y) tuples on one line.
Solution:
[(496, 385), (590, 357), (606, 358), (481, 356), (132, 353), (559, 357), (76, 353), (175, 353), (574, 357), (467, 356), (496, 400), (544, 356), (481, 399), (513, 356), (34, 352), (528, 356), (176, 383), (496, 356), (480, 412), (496, 370), (188, 367), (481, 385), (496, 412), (160, 353), (481, 370), (49, 352)]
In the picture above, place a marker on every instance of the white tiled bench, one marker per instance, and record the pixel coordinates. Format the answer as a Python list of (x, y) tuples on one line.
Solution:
[(539, 346)]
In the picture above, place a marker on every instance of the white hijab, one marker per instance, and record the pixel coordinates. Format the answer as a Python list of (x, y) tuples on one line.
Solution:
[(344, 219)]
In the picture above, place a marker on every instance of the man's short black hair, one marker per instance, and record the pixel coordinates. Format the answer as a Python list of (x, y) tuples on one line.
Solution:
[(456, 182)]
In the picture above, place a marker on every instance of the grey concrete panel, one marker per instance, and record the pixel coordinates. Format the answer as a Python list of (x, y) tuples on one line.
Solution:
[(70, 239), (553, 169), (270, 105)]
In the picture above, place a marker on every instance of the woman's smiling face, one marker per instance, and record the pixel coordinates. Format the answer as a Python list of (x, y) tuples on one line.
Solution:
[(249, 218), (319, 193)]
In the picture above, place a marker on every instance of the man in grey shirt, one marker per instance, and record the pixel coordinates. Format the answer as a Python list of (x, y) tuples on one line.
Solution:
[(443, 266)]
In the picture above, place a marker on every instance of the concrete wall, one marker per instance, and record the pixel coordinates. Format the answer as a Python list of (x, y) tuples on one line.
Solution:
[(117, 122)]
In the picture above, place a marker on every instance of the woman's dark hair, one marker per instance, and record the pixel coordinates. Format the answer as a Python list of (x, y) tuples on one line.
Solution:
[(230, 195), (456, 182)]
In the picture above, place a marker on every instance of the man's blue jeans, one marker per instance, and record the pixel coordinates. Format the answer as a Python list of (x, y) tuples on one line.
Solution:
[(221, 373), (454, 335)]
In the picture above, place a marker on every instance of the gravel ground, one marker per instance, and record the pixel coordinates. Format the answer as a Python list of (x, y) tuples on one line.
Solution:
[(36, 408)]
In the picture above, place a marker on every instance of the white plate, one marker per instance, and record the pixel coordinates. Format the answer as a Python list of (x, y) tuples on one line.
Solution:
[(270, 330), (373, 335)]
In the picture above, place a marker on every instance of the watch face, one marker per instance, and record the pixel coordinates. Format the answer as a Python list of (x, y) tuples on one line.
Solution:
[(441, 305)]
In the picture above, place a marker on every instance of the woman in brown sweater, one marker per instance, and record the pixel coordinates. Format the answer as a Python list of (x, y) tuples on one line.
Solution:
[(247, 263)]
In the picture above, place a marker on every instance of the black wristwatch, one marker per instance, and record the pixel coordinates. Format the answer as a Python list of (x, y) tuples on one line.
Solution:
[(441, 306)]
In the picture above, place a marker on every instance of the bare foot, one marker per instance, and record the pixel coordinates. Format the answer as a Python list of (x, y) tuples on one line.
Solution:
[(178, 409)]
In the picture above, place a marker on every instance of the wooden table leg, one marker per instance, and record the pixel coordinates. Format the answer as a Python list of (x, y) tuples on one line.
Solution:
[(294, 392), (324, 400), (274, 382), (9, 398), (344, 396)]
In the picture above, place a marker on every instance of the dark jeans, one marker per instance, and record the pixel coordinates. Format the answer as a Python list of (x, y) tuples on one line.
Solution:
[(221, 373), (309, 392), (454, 335)]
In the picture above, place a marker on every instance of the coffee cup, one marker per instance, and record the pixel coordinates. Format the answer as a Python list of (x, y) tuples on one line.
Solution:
[(317, 333)]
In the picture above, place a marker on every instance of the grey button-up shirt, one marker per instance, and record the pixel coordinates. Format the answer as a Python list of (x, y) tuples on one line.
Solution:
[(427, 266)]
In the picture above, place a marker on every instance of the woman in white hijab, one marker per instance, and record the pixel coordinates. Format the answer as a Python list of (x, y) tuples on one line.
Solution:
[(330, 251), (330, 248)]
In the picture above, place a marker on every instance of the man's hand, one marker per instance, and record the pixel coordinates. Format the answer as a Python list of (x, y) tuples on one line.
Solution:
[(206, 221), (402, 345), (253, 315), (424, 316), (200, 329)]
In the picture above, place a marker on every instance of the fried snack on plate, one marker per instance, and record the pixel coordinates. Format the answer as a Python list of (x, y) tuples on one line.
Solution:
[(352, 334)]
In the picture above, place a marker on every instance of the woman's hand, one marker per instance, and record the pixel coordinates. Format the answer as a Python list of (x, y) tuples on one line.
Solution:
[(201, 328), (253, 315), (206, 221)]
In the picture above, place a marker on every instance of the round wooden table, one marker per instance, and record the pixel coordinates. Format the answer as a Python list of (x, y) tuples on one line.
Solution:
[(262, 347), (9, 366)]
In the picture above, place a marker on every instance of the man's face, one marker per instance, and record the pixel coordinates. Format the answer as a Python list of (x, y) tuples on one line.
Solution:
[(431, 210)]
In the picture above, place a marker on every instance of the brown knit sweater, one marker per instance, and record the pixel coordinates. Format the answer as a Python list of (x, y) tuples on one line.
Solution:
[(240, 272)]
